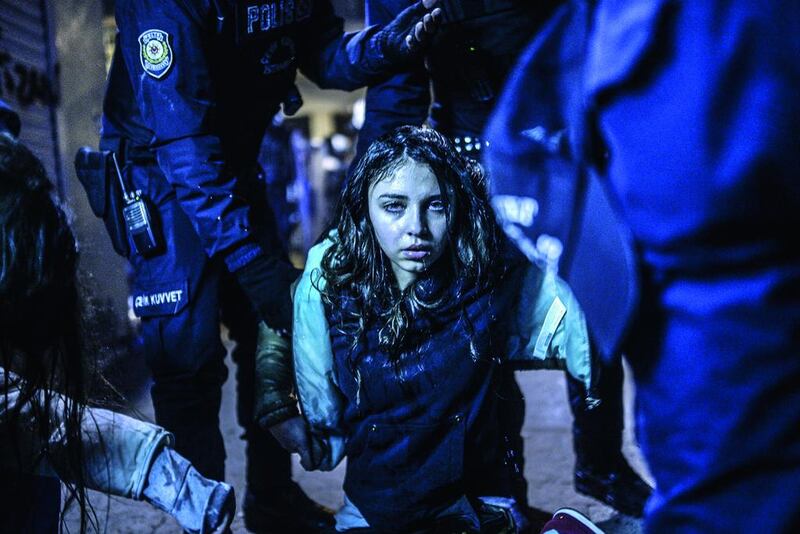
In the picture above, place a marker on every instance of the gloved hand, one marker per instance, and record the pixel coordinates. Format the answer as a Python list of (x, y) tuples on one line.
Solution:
[(275, 397), (266, 281), (293, 436), (410, 31), (200, 505)]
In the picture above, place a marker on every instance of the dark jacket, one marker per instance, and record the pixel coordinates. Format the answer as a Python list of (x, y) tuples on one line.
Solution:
[(422, 430)]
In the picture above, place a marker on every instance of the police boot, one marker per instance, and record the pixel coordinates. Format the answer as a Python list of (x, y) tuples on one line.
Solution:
[(601, 471), (273, 503), (614, 483)]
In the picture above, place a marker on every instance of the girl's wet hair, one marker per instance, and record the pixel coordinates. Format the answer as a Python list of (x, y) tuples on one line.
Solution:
[(358, 275), (40, 315)]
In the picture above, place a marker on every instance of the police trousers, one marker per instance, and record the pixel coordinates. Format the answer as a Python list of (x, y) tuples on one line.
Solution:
[(182, 297)]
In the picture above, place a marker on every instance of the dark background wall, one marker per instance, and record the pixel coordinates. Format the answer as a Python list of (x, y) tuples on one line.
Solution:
[(79, 34)]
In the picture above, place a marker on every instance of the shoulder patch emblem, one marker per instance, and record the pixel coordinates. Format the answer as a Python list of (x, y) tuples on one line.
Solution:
[(155, 53)]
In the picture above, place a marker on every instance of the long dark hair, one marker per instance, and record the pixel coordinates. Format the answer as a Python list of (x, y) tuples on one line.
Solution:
[(40, 315), (358, 276)]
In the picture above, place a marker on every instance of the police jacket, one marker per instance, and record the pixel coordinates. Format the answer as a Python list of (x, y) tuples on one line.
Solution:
[(456, 86), (541, 146), (197, 81), (411, 443), (117, 450)]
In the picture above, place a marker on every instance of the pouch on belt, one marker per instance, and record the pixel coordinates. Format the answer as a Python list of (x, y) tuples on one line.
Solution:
[(95, 171)]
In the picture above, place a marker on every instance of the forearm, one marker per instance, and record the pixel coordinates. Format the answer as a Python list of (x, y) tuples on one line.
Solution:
[(320, 398), (129, 458), (117, 452), (401, 100), (548, 328), (351, 61), (119, 456), (207, 191), (200, 505)]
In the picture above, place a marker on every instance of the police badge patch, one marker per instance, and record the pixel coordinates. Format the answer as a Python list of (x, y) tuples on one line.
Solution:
[(155, 53)]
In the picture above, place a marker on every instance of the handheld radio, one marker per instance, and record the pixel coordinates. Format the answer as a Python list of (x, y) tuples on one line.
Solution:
[(137, 217)]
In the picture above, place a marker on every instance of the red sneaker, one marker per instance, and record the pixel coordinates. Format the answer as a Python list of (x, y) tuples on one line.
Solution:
[(569, 521)]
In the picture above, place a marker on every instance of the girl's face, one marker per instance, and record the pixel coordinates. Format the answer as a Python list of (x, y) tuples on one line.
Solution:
[(408, 216)]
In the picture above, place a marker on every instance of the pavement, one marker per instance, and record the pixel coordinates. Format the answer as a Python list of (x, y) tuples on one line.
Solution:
[(548, 467)]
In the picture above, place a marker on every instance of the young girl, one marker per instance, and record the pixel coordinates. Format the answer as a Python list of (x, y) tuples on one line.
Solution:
[(45, 427), (402, 317)]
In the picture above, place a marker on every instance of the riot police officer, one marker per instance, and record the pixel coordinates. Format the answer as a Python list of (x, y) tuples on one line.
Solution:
[(675, 127), (192, 86), (454, 90)]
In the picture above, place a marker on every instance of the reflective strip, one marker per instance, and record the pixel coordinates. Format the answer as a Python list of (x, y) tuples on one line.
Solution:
[(551, 322)]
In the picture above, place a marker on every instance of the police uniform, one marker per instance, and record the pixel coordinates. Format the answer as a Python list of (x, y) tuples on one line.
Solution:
[(686, 116), (455, 93), (192, 87), (277, 157)]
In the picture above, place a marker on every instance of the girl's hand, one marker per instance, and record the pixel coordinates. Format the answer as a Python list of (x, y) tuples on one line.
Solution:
[(293, 436)]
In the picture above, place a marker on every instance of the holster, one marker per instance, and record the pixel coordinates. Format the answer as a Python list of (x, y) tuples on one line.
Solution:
[(96, 173)]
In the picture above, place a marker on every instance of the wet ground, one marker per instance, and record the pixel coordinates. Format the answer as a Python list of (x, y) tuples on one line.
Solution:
[(548, 451)]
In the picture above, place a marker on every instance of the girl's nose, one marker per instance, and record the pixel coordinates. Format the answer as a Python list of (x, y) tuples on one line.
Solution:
[(416, 222)]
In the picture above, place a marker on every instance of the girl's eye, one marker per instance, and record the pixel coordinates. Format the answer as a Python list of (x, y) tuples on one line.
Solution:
[(394, 207), (436, 205)]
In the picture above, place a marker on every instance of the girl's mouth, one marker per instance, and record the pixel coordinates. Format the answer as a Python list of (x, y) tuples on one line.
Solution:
[(416, 254)]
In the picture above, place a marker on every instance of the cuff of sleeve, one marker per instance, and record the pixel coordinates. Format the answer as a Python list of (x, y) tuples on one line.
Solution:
[(242, 255), (161, 440), (279, 414), (383, 55)]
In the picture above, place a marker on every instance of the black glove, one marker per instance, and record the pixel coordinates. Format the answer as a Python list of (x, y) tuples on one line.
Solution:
[(200, 505), (275, 396), (266, 280), (409, 32)]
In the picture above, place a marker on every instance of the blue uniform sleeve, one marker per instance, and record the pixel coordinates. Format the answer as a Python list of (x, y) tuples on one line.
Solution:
[(162, 45), (399, 100), (348, 61)]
